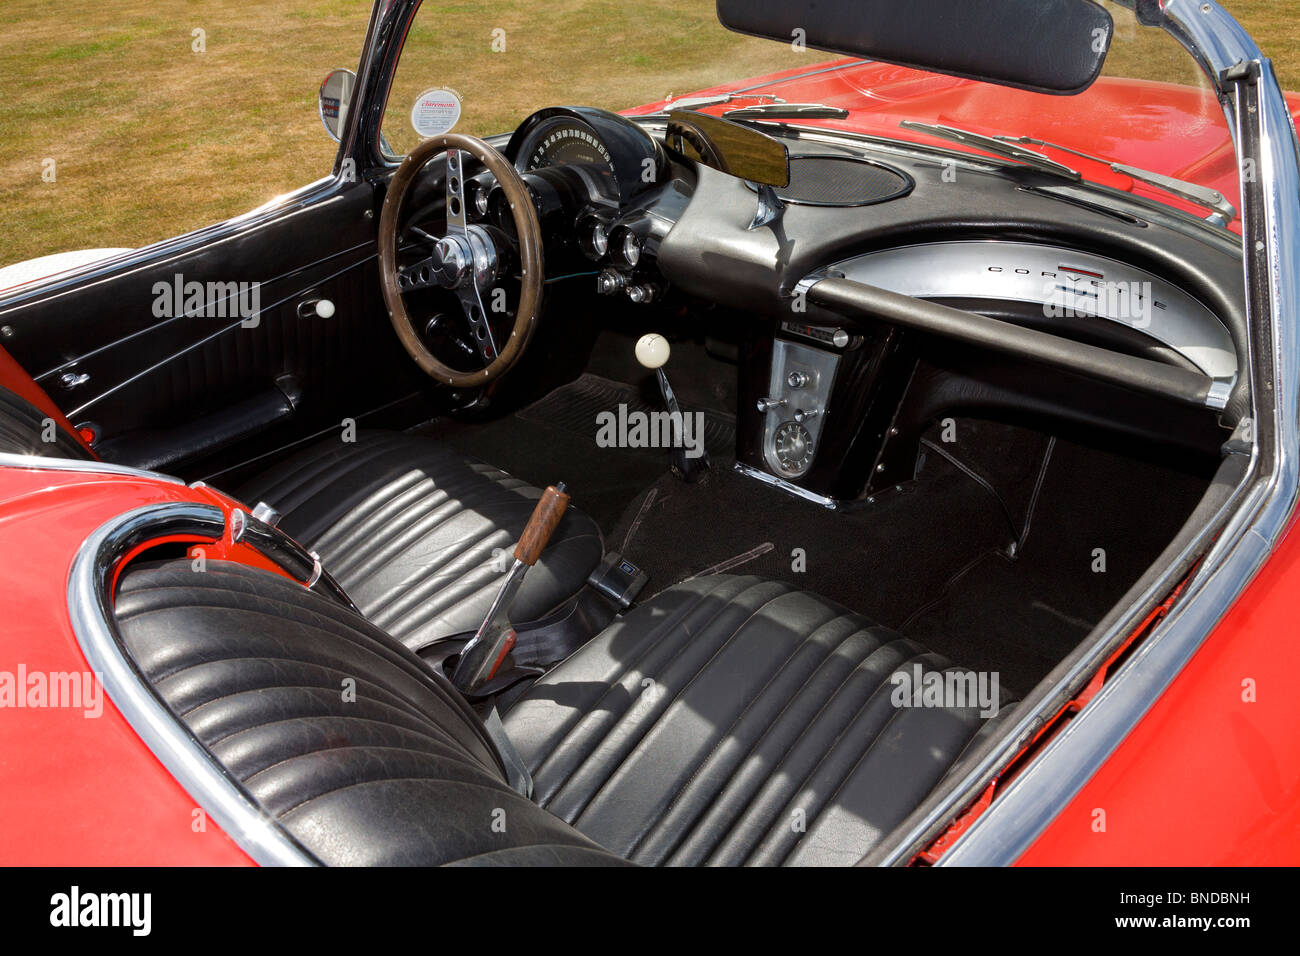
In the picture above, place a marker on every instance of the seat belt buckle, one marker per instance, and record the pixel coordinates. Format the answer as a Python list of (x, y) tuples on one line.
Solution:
[(618, 579)]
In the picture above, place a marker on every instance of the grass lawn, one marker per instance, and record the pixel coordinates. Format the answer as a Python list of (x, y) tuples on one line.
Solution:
[(150, 138)]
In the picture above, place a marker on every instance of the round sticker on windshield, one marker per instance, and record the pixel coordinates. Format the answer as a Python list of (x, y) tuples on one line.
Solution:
[(435, 112)]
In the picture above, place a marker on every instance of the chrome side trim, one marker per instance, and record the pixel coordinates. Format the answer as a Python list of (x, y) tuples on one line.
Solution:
[(91, 612), (60, 282), (89, 466), (1259, 513), (791, 489)]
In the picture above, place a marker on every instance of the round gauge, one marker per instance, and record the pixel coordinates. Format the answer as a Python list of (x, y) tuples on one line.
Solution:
[(563, 142), (599, 239), (793, 446), (615, 157)]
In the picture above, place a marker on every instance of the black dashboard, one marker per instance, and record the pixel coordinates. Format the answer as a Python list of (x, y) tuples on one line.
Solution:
[(827, 399), (612, 198)]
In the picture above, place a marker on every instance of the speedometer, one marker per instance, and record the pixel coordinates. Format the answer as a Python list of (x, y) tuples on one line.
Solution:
[(613, 156), (565, 143)]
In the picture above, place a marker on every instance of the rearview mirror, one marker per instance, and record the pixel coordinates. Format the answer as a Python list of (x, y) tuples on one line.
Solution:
[(729, 147), (1048, 46), (736, 150), (334, 99)]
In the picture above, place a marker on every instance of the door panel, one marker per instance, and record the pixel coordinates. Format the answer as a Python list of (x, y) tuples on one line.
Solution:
[(164, 378)]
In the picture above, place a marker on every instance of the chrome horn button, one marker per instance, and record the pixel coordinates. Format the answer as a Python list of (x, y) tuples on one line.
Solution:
[(450, 261), (456, 257)]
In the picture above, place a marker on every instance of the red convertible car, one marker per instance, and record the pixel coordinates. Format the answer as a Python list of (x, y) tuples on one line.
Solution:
[(887, 461)]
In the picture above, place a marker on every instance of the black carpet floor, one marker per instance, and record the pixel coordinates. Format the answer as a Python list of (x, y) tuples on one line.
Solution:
[(932, 560), (555, 439), (1100, 522)]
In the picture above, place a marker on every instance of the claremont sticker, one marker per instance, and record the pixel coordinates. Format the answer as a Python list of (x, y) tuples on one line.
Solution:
[(435, 112)]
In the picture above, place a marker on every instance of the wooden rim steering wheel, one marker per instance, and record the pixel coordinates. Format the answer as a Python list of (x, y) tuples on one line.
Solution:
[(465, 261)]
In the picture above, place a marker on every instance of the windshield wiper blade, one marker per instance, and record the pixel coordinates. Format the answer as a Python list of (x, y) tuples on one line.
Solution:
[(786, 111), (994, 145), (1224, 211), (699, 102)]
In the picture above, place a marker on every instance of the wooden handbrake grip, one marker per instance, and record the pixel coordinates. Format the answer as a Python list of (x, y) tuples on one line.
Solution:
[(550, 509)]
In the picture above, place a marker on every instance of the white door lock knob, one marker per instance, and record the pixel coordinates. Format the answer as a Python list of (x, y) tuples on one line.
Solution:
[(316, 309)]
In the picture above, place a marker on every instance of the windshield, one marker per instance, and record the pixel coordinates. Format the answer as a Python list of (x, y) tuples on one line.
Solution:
[(1152, 108), (516, 58)]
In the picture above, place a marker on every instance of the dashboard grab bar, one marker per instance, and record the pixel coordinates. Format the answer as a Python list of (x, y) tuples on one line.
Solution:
[(857, 299)]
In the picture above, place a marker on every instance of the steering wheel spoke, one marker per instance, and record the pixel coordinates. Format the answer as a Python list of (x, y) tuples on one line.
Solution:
[(480, 330), (456, 222), (418, 275)]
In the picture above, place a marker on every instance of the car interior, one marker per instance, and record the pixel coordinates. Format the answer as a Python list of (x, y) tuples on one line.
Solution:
[(904, 458)]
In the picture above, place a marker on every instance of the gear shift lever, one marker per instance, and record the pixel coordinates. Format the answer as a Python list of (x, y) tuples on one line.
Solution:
[(652, 351)]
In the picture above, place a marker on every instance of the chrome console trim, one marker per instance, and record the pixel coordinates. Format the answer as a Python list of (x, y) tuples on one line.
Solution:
[(791, 489)]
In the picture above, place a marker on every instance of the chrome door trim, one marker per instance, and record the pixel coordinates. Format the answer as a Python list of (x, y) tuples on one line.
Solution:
[(60, 282)]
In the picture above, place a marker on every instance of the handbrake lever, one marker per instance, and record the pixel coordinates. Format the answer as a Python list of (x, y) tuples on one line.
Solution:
[(482, 656)]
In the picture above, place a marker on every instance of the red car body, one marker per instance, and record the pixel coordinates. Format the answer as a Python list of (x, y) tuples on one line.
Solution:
[(1206, 777)]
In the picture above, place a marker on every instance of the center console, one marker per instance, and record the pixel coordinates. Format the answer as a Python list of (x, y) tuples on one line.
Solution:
[(817, 404), (796, 405)]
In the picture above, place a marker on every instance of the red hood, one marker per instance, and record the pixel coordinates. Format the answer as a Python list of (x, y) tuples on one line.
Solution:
[(1166, 128)]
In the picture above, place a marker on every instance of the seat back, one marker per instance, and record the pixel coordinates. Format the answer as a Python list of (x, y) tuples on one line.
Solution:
[(356, 747), (31, 424)]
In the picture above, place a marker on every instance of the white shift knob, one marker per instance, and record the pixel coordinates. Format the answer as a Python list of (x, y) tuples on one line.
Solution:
[(325, 309), (652, 350)]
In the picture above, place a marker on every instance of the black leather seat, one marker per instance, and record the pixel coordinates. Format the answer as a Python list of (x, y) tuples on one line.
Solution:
[(732, 721), (414, 532), (728, 720), (24, 428), (253, 663)]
